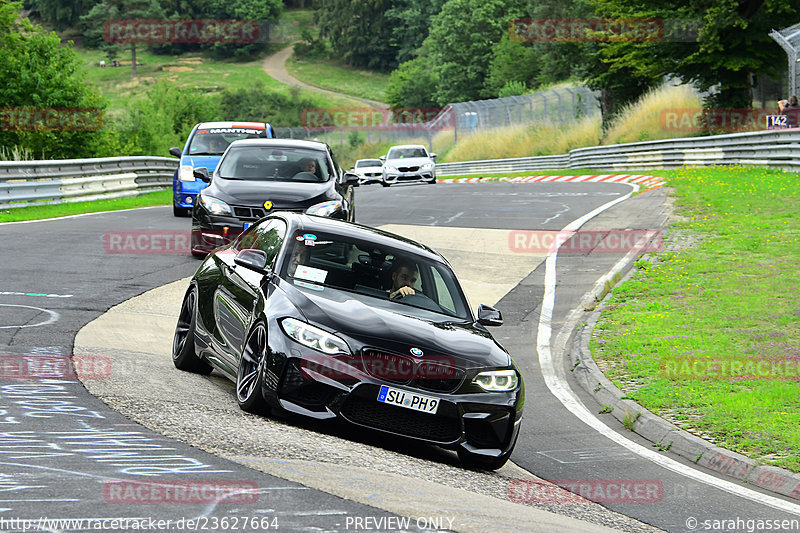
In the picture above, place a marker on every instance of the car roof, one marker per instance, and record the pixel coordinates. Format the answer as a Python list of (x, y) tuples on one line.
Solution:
[(283, 143), (408, 146), (257, 125), (311, 223)]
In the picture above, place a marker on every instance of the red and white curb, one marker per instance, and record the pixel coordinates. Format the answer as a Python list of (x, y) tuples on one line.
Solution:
[(649, 182)]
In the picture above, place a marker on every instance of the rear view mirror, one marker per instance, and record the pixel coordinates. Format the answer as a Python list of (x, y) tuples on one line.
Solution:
[(350, 178), (175, 151), (382, 158), (489, 316), (433, 155)]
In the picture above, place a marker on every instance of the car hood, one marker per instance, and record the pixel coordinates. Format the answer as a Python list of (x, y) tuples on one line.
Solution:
[(409, 161), (469, 345), (367, 169), (282, 194), (197, 161)]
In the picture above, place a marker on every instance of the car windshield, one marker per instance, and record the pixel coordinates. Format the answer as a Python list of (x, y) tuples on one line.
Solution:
[(318, 261), (368, 163), (214, 141), (400, 153), (270, 163)]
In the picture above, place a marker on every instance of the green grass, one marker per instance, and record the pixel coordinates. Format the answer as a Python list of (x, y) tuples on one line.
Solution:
[(334, 76), (190, 70), (730, 298), (60, 210)]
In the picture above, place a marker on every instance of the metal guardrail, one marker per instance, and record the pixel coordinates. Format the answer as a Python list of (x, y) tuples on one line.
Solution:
[(26, 183), (776, 149)]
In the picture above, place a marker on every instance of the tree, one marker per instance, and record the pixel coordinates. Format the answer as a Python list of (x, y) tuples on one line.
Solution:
[(460, 45), (410, 21), (359, 32), (733, 44), (60, 13), (94, 22), (512, 61), (412, 85), (40, 77)]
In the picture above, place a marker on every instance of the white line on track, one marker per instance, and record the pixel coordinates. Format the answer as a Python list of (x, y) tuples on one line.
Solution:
[(555, 378)]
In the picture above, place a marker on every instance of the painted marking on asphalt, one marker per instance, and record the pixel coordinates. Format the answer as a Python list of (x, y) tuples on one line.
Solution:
[(555, 379), (53, 316), (44, 295), (590, 455)]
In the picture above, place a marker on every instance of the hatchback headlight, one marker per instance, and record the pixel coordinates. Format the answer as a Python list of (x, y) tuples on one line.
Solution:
[(186, 173), (313, 337), (497, 380), (214, 206), (325, 209)]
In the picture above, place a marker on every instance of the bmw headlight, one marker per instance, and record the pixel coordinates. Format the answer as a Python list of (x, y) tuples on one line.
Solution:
[(314, 337), (325, 209), (427, 166), (214, 206), (390, 169), (186, 173), (497, 380)]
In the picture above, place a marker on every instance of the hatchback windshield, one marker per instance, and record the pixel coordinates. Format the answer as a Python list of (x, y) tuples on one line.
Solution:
[(400, 153), (320, 261), (214, 141), (268, 163)]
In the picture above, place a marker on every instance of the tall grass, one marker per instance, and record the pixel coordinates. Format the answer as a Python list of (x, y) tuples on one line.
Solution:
[(640, 121)]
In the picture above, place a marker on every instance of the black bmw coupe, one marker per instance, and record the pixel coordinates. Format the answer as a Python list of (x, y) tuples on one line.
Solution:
[(331, 319)]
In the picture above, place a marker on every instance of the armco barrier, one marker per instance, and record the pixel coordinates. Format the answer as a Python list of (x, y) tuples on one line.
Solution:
[(25, 183), (777, 149)]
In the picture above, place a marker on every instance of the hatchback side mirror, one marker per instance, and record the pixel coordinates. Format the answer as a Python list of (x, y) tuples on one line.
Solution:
[(489, 316), (175, 151), (252, 259)]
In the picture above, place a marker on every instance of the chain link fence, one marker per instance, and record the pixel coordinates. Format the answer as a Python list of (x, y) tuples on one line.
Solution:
[(463, 118)]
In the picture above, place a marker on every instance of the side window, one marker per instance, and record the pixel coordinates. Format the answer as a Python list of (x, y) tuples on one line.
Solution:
[(270, 237)]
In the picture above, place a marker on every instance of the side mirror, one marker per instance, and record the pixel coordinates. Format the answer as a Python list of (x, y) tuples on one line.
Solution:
[(433, 155), (202, 173), (351, 178), (383, 158), (489, 316), (255, 260), (352, 168), (175, 151)]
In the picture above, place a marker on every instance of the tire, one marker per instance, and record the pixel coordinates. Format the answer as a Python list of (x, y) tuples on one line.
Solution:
[(248, 375), (432, 182), (180, 211), (384, 184), (184, 356)]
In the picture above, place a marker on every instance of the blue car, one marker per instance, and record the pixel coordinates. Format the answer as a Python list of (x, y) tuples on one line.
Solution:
[(204, 148)]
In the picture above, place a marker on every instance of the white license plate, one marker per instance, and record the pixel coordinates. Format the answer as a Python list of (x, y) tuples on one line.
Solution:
[(409, 400)]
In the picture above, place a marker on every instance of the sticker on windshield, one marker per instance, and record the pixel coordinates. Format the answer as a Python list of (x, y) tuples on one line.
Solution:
[(309, 285), (299, 238), (309, 243), (310, 237), (310, 273)]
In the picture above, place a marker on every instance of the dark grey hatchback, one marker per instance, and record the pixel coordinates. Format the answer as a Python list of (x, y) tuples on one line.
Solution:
[(257, 177)]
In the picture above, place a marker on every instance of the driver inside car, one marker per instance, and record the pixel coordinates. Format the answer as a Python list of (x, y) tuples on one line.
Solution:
[(404, 276)]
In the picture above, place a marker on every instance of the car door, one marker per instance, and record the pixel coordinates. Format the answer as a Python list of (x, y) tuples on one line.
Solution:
[(237, 294)]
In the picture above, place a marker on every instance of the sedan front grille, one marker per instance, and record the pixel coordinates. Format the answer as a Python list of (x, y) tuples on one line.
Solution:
[(435, 375), (408, 169), (249, 213)]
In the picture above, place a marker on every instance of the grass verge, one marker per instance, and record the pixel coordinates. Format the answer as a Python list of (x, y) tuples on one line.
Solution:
[(74, 208), (334, 76), (708, 335)]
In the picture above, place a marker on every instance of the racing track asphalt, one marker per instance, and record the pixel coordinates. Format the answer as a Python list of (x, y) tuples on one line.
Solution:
[(554, 445)]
